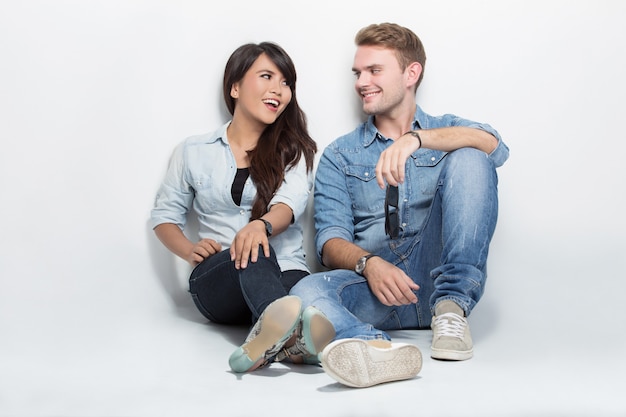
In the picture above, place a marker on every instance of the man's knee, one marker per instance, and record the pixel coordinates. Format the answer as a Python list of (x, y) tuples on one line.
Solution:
[(470, 166)]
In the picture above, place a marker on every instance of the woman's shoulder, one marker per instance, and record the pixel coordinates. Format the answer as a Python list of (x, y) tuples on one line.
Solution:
[(206, 138)]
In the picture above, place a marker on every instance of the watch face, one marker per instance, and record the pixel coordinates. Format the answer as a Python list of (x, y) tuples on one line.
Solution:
[(360, 265)]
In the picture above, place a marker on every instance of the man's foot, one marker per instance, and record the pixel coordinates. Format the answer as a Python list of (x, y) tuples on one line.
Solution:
[(275, 327), (314, 332), (451, 334), (360, 363)]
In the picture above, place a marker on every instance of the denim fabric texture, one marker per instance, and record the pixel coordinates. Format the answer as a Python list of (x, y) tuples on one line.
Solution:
[(199, 177), (447, 212), (227, 295)]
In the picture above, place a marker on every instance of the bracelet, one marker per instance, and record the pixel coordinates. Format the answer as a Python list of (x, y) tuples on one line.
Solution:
[(416, 135)]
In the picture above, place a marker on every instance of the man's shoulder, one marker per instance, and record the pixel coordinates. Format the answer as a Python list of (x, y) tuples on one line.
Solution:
[(353, 138)]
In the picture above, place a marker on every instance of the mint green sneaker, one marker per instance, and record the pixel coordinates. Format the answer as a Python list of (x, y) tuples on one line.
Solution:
[(314, 332), (362, 363), (275, 327)]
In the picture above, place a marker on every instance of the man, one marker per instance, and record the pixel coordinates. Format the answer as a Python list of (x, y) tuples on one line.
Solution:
[(405, 209)]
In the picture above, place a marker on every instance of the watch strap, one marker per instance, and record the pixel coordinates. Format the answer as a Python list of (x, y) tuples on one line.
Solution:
[(362, 260), (268, 227)]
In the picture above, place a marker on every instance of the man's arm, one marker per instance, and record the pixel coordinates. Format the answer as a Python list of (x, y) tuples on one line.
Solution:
[(341, 254), (390, 167), (388, 282), (334, 224)]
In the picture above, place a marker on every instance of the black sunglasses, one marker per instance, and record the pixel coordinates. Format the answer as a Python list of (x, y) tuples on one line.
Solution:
[(391, 212)]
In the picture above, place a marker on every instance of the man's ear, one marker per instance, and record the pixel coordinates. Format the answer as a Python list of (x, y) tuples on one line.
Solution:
[(413, 71)]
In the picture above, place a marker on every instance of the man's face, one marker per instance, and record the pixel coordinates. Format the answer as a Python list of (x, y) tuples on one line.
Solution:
[(380, 82)]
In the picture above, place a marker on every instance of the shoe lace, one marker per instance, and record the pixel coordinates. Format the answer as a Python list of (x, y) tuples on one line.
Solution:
[(450, 324)]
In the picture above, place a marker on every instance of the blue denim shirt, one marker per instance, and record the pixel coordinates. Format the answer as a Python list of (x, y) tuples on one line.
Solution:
[(350, 205), (199, 177)]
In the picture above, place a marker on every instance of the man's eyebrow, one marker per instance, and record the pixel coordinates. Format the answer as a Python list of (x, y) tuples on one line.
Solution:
[(369, 67)]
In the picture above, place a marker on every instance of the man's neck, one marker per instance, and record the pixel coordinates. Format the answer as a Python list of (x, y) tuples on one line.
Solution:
[(396, 122)]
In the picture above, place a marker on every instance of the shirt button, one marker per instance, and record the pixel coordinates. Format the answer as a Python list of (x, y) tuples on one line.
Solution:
[(242, 212), (432, 158), (367, 174)]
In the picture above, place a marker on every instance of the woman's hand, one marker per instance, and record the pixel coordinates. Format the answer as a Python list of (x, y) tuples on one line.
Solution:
[(246, 244), (175, 240), (202, 250)]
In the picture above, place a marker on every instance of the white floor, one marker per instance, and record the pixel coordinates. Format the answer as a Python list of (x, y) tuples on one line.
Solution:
[(123, 353)]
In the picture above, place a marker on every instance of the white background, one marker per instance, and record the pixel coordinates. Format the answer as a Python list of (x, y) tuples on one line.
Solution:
[(94, 315)]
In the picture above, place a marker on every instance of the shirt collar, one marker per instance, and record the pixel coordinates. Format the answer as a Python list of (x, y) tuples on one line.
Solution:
[(371, 133), (219, 134)]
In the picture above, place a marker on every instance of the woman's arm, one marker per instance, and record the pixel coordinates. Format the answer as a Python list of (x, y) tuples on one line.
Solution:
[(175, 240)]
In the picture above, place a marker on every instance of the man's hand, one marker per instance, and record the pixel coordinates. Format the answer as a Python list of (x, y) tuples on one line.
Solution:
[(389, 283), (392, 161)]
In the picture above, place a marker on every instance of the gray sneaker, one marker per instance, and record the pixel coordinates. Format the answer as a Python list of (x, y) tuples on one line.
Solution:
[(451, 335), (360, 363)]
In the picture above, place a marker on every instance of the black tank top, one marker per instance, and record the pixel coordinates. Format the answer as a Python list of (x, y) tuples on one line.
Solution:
[(240, 180)]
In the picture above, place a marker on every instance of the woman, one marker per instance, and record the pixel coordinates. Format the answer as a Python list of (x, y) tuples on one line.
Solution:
[(248, 182)]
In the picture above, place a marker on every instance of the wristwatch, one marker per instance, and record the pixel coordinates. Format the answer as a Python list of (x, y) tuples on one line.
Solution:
[(361, 263), (268, 227)]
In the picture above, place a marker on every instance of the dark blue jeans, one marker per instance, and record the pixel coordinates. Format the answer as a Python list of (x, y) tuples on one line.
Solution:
[(227, 295)]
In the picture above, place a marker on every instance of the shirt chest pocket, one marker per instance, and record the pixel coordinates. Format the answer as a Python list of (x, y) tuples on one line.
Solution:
[(364, 191), (207, 192), (427, 167)]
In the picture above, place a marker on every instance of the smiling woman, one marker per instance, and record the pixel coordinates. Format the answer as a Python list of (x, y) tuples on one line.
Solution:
[(250, 251)]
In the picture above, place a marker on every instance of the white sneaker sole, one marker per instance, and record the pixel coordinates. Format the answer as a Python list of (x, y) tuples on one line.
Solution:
[(451, 355), (359, 363)]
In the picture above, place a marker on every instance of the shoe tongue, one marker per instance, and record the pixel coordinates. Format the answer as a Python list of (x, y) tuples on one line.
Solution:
[(448, 306)]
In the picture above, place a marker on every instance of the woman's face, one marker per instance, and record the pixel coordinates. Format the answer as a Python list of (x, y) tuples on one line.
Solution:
[(263, 94)]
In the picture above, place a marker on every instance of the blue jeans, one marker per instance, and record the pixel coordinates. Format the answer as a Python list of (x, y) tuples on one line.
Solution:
[(227, 295), (447, 259)]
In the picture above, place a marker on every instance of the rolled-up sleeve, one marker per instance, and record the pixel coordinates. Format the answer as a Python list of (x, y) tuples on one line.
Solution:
[(333, 207), (295, 189), (175, 195), (500, 154)]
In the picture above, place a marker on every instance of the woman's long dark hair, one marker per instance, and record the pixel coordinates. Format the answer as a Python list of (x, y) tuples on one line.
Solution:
[(282, 143)]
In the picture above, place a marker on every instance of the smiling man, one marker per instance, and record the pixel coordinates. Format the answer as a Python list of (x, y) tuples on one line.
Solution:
[(405, 209)]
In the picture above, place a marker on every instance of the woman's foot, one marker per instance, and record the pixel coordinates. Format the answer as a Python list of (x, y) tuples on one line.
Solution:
[(314, 332), (275, 327)]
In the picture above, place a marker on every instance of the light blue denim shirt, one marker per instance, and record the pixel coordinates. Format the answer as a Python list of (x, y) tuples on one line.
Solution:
[(199, 177), (350, 205)]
